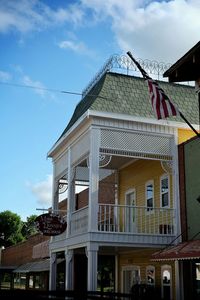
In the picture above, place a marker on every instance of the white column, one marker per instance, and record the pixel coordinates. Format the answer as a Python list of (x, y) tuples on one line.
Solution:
[(177, 280), (92, 255), (71, 192), (116, 274), (68, 270), (93, 179), (55, 192), (52, 272), (176, 194)]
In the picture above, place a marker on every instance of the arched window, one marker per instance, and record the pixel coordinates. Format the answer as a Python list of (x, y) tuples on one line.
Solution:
[(166, 282), (150, 275)]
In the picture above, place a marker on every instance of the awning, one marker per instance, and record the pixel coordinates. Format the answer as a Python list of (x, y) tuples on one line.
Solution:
[(8, 268), (36, 266), (185, 250)]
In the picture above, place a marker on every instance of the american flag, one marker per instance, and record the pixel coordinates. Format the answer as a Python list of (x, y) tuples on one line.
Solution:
[(162, 106)]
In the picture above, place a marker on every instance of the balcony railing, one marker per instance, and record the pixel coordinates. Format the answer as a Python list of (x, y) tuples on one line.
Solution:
[(79, 221), (126, 219), (135, 219)]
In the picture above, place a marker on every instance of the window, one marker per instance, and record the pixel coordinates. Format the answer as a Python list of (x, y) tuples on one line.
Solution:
[(164, 189), (150, 275), (149, 195), (166, 282)]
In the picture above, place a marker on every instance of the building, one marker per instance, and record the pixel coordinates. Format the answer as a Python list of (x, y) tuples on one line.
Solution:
[(114, 142), (22, 266), (186, 255)]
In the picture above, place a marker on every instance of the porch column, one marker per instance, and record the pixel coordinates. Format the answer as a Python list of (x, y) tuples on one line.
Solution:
[(71, 193), (68, 270), (92, 255), (55, 197), (176, 195), (93, 179), (53, 271)]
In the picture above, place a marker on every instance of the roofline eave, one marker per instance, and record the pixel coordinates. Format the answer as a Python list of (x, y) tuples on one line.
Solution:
[(126, 117), (108, 115), (62, 139)]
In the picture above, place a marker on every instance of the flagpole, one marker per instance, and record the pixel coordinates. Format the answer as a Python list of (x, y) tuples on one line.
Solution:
[(186, 121), (145, 75)]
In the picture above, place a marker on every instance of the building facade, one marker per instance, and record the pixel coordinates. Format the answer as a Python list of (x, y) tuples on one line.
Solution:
[(126, 162)]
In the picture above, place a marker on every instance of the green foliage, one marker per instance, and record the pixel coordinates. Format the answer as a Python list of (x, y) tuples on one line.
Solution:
[(10, 226), (28, 227), (13, 230)]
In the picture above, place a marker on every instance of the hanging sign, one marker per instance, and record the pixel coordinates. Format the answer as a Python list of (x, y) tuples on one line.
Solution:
[(50, 224)]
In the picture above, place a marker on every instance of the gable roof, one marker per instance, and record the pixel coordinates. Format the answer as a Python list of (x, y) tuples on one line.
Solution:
[(125, 94), (187, 68)]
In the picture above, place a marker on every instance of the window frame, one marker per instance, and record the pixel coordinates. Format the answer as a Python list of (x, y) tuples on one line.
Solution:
[(149, 209), (163, 177)]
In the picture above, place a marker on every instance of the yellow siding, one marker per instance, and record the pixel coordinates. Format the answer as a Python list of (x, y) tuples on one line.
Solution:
[(142, 258), (184, 135), (135, 177)]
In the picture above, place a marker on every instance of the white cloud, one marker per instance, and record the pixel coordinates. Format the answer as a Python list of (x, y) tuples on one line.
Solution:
[(5, 76), (42, 191), (161, 30), (27, 15), (78, 47), (38, 87)]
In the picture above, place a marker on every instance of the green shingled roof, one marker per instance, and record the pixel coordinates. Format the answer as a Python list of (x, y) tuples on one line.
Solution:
[(124, 94)]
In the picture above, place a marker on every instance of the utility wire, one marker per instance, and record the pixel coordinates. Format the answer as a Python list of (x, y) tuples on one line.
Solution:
[(52, 90), (40, 88)]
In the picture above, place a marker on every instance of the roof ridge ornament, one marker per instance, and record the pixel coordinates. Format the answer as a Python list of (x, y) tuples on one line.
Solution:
[(122, 64)]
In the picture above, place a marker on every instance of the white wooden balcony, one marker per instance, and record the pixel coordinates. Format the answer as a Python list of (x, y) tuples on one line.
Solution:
[(124, 224)]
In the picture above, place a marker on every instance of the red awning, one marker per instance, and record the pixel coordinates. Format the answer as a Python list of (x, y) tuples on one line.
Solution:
[(185, 250)]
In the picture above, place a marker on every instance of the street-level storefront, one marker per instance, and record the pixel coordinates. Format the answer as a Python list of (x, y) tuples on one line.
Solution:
[(186, 258)]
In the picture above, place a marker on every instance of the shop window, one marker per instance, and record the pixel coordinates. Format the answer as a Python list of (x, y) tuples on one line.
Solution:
[(131, 278), (166, 282), (150, 275)]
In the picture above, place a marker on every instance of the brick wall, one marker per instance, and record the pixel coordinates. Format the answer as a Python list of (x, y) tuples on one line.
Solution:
[(22, 252)]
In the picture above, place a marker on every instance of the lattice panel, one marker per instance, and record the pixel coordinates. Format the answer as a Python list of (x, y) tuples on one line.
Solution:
[(80, 148), (61, 164), (133, 143), (82, 174)]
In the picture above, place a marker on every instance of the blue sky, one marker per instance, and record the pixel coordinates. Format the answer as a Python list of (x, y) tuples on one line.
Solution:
[(60, 45)]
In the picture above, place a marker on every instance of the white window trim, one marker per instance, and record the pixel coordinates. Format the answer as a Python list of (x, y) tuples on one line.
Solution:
[(161, 178), (151, 210)]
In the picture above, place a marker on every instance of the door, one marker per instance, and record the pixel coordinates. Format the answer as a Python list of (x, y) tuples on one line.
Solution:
[(130, 278), (130, 211)]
